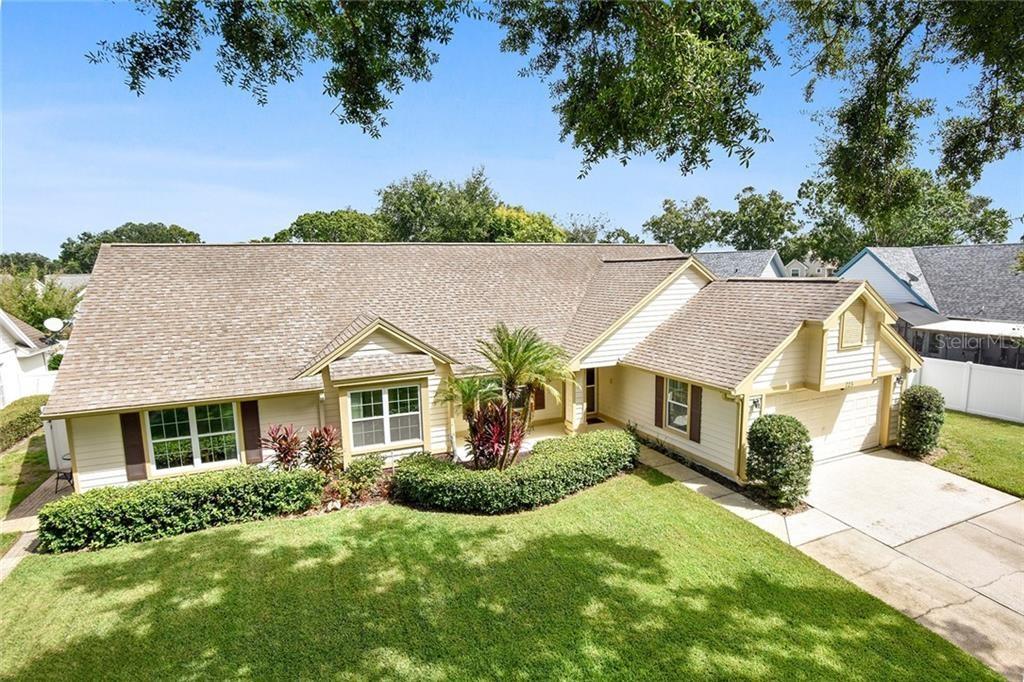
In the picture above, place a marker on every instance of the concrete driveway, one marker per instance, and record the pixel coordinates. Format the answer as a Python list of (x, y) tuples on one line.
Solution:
[(944, 550)]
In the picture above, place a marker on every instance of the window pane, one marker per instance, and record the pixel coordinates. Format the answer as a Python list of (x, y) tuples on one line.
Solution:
[(677, 392), (405, 427), (677, 416), (215, 418), (403, 400), (169, 424), (369, 432), (173, 453), (218, 448), (367, 404)]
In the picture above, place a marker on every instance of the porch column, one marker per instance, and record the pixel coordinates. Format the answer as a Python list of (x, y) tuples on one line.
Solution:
[(572, 404)]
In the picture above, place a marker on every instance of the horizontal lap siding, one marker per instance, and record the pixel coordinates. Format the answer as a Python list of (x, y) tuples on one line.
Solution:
[(632, 400), (437, 420), (301, 411), (842, 366), (888, 359), (379, 343), (99, 451), (791, 367), (675, 295)]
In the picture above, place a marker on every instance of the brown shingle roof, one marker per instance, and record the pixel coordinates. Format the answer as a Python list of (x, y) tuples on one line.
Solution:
[(174, 323), (38, 338), (730, 326)]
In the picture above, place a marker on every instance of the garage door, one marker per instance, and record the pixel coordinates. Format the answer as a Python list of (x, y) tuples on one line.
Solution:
[(840, 422)]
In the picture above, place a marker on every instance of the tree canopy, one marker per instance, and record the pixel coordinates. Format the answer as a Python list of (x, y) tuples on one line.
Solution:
[(516, 224), (346, 225), (422, 209), (32, 298), (23, 261), (673, 79), (78, 254)]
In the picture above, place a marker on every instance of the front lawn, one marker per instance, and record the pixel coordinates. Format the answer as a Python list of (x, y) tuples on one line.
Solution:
[(636, 578), (22, 470), (988, 451)]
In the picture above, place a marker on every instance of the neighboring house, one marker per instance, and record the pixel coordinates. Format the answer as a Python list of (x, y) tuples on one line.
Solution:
[(71, 281), (809, 267), (961, 303), (183, 355), (24, 352), (763, 263)]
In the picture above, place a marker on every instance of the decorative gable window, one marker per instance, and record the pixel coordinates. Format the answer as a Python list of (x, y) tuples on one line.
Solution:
[(851, 327), (382, 416), (183, 437), (677, 404)]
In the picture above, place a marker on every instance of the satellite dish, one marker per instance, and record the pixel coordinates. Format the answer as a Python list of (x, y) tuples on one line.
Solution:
[(53, 324)]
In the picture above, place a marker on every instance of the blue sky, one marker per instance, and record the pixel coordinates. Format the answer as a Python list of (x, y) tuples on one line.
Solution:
[(80, 152)]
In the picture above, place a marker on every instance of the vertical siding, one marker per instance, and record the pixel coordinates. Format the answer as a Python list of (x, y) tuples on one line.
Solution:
[(791, 367), (616, 346), (633, 401), (98, 451), (842, 366)]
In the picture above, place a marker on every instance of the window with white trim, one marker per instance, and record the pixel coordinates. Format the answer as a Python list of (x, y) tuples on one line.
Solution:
[(382, 416), (677, 405), (182, 437)]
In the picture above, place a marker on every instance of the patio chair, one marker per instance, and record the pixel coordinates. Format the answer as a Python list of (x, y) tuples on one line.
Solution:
[(63, 474)]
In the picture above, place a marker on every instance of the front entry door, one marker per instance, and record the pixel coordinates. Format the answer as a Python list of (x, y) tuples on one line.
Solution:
[(591, 390)]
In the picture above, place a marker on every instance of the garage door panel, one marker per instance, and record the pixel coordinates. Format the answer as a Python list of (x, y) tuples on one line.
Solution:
[(839, 422)]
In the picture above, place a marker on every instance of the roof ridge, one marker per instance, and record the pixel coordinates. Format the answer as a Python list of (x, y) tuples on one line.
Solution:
[(121, 245)]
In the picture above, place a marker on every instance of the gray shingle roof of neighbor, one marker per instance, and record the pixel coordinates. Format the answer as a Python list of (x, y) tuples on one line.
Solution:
[(167, 323), (37, 337), (970, 281), (730, 326), (70, 280), (727, 264)]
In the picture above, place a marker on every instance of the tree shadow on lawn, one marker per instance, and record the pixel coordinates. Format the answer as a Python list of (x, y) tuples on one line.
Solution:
[(30, 473), (395, 595)]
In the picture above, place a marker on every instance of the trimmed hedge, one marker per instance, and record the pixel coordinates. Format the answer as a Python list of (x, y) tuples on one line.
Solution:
[(113, 516), (19, 419), (556, 468), (779, 457), (922, 413)]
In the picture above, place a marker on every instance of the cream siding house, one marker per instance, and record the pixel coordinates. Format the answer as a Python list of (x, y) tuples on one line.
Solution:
[(363, 336)]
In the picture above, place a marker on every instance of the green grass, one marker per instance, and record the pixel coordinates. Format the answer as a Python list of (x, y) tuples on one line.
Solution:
[(22, 470), (636, 578), (988, 451), (6, 541)]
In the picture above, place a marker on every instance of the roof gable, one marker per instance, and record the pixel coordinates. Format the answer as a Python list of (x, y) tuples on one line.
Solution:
[(977, 281), (725, 264)]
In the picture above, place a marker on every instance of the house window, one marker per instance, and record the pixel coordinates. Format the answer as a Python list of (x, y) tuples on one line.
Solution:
[(851, 327), (382, 416), (183, 437), (677, 404), (794, 273)]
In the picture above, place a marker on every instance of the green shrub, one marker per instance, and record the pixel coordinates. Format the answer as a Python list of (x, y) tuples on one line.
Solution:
[(19, 419), (364, 473), (556, 468), (779, 457), (112, 516), (922, 411), (53, 364)]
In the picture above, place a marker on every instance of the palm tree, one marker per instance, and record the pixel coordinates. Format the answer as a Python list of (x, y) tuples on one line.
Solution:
[(523, 363)]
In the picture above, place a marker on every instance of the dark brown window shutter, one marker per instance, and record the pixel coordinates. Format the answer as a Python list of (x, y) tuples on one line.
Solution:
[(251, 432), (538, 398), (696, 397), (134, 451), (659, 401)]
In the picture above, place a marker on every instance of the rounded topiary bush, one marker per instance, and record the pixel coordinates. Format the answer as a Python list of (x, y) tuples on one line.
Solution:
[(779, 457), (922, 411), (556, 468)]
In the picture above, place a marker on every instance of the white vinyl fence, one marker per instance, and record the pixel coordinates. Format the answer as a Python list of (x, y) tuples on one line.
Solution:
[(977, 389)]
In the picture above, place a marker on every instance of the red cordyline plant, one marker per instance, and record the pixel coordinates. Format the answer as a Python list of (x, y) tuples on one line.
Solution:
[(491, 432), (285, 443), (322, 451)]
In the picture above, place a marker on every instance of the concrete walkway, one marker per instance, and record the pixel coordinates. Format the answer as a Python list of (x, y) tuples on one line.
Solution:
[(944, 550), (24, 517)]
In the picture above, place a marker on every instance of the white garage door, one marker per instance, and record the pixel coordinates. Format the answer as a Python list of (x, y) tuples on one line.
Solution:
[(839, 422)]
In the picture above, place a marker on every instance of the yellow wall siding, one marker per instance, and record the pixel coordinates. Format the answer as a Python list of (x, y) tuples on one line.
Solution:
[(99, 451), (380, 342), (888, 359), (791, 367), (633, 401), (842, 366), (437, 420), (673, 297), (301, 411)]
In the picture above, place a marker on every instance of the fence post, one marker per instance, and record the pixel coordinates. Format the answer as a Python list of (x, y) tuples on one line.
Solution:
[(967, 375)]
